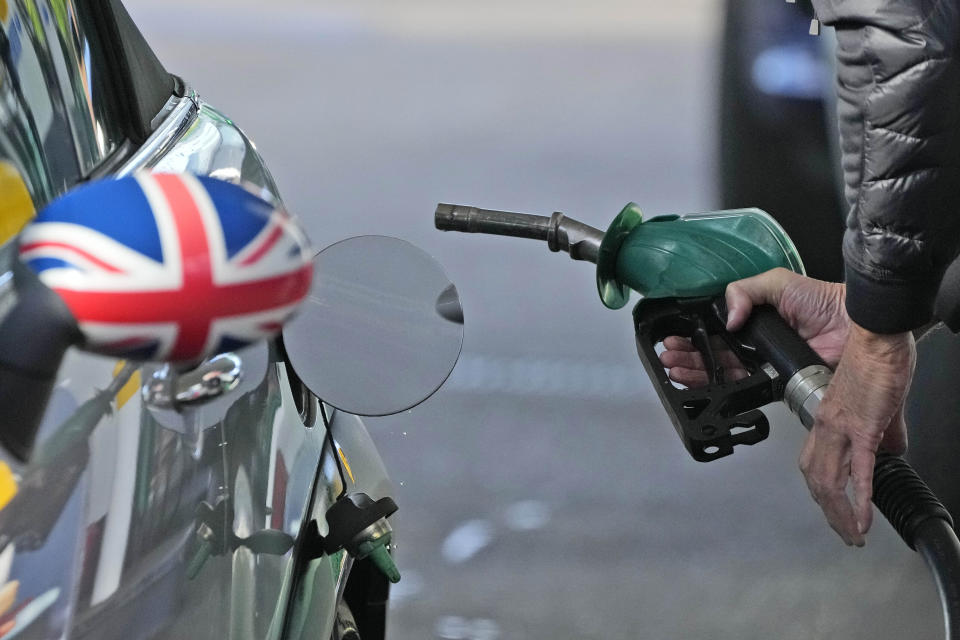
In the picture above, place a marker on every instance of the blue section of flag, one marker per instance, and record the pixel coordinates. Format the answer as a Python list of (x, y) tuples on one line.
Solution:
[(40, 265), (242, 214), (145, 352), (230, 344), (134, 225)]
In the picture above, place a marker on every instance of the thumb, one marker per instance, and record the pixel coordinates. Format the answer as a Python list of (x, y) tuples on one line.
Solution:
[(743, 295)]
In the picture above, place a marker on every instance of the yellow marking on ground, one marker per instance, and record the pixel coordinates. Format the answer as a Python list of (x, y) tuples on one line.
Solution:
[(8, 485), (346, 465), (16, 206), (4, 11)]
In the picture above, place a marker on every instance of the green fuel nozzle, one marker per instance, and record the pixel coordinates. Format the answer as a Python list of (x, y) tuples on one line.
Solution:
[(681, 265), (674, 256)]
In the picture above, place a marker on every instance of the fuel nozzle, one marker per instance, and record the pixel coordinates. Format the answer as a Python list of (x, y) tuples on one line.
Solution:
[(671, 256), (561, 233)]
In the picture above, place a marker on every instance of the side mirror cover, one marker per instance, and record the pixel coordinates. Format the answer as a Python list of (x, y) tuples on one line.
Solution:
[(158, 267), (169, 267)]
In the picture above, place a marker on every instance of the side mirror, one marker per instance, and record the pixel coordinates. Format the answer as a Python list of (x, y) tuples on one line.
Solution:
[(381, 330), (161, 267)]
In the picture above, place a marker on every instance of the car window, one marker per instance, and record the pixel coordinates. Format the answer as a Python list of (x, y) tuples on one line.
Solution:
[(55, 103)]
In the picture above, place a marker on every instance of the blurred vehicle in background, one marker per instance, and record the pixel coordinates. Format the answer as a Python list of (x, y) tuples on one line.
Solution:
[(776, 144), (159, 500)]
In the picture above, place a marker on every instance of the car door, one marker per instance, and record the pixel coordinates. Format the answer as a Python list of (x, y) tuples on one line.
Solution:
[(136, 519)]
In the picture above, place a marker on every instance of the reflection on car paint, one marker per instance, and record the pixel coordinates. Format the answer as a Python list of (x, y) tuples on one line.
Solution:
[(36, 514), (8, 485), (27, 613), (15, 203), (59, 118), (212, 145)]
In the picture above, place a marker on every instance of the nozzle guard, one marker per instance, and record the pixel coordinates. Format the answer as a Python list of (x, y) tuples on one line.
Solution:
[(688, 256)]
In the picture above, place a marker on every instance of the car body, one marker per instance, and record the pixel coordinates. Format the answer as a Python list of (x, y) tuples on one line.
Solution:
[(133, 519)]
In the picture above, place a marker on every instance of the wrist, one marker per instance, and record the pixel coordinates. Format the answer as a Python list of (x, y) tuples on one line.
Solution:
[(869, 345), (868, 336)]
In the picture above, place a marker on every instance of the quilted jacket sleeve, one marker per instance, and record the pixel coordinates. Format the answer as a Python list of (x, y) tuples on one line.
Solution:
[(899, 114)]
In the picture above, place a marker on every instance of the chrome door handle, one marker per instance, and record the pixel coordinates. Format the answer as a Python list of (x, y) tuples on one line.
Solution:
[(171, 389)]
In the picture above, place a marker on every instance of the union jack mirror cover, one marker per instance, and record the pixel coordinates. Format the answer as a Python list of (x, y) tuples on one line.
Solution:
[(169, 267)]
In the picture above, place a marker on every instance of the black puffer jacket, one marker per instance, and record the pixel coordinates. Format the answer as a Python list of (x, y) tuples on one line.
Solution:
[(899, 113)]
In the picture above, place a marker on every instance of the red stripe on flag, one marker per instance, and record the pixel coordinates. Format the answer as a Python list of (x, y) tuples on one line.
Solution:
[(195, 260), (265, 247), (174, 305)]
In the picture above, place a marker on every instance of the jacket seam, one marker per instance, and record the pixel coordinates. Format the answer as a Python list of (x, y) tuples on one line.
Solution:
[(900, 176), (900, 134), (926, 61), (881, 275)]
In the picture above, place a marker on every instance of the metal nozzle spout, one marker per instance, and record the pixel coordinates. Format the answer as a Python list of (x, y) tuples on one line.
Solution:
[(454, 217), (561, 233)]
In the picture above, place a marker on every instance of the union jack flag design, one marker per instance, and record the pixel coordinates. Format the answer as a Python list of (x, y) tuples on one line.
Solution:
[(170, 267)]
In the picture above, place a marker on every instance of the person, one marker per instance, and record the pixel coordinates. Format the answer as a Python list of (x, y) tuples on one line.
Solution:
[(898, 85)]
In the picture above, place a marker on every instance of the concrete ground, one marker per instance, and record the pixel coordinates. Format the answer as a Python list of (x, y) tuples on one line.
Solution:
[(543, 493)]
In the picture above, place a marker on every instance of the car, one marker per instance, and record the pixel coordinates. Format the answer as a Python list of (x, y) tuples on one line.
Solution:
[(776, 147), (164, 500)]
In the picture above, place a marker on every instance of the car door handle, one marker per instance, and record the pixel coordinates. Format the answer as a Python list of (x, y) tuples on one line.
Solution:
[(172, 389)]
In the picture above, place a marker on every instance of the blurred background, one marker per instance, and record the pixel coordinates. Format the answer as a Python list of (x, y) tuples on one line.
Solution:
[(543, 492)]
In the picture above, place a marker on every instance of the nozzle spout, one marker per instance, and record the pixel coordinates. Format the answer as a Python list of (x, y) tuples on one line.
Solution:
[(561, 233), (455, 217)]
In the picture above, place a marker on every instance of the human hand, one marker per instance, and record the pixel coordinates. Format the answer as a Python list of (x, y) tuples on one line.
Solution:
[(813, 308), (861, 412), (862, 409)]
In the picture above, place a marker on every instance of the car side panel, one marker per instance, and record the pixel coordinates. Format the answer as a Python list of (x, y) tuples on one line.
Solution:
[(136, 491)]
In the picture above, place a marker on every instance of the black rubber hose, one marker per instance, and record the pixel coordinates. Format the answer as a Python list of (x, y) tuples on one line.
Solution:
[(904, 498), (937, 543), (925, 525)]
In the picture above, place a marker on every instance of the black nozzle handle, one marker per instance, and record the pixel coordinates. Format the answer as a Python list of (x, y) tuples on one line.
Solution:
[(455, 217), (777, 342)]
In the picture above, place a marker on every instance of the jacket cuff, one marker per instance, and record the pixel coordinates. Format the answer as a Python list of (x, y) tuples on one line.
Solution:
[(889, 306)]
